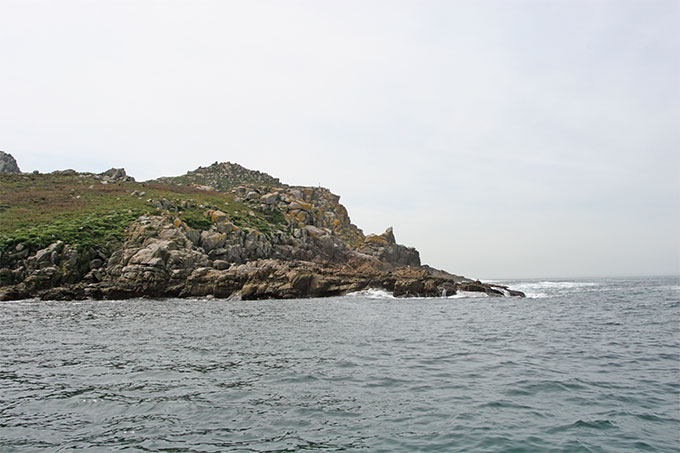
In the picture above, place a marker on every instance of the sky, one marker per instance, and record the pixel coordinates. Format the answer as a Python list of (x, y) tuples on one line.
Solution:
[(502, 139)]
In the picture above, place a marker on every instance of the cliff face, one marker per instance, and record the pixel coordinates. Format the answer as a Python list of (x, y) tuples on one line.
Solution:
[(71, 235), (307, 210)]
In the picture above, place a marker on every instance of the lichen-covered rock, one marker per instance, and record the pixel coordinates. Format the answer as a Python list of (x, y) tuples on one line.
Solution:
[(218, 216), (211, 240)]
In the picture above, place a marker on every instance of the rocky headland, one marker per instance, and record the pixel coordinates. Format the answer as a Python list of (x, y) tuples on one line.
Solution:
[(219, 231)]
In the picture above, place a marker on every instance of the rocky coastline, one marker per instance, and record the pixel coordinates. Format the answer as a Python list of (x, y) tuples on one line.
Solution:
[(221, 231)]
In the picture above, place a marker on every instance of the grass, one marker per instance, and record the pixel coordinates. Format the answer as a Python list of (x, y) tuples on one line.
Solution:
[(195, 218), (78, 209)]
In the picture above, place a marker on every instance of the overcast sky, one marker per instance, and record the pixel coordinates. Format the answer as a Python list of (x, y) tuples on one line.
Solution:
[(500, 138)]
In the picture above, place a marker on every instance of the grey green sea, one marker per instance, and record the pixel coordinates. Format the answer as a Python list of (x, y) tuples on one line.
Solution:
[(580, 365)]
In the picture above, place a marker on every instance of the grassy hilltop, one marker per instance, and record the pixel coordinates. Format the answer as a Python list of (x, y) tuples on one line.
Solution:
[(86, 209)]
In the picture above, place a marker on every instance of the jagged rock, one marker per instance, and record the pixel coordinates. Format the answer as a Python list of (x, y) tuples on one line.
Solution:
[(8, 164), (386, 249)]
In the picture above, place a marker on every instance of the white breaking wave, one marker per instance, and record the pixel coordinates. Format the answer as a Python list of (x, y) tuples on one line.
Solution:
[(505, 292), (372, 293), (566, 284), (541, 289)]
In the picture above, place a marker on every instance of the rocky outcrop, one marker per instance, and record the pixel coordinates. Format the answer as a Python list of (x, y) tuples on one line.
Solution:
[(8, 164), (303, 207), (164, 257), (385, 248), (221, 176), (28, 272), (111, 175), (116, 175)]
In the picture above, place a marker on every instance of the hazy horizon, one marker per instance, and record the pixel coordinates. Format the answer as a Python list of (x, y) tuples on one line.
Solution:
[(502, 139)]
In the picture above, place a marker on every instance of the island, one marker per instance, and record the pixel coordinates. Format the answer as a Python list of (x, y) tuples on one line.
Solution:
[(219, 231)]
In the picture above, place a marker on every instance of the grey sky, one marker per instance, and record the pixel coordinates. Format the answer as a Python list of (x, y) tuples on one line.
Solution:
[(500, 138)]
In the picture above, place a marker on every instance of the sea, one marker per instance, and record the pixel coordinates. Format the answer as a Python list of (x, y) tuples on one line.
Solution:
[(580, 365)]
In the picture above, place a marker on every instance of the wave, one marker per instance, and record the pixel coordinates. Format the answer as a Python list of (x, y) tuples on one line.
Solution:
[(558, 284), (585, 424), (548, 288), (532, 290), (372, 293)]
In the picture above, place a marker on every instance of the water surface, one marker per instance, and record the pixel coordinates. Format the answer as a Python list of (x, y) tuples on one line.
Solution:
[(590, 365)]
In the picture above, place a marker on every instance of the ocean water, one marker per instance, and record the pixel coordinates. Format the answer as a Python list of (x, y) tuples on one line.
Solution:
[(579, 365)]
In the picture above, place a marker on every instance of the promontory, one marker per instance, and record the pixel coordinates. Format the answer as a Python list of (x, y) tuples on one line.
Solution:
[(219, 231)]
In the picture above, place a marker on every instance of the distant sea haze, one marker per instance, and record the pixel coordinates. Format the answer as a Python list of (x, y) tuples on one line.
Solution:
[(579, 365)]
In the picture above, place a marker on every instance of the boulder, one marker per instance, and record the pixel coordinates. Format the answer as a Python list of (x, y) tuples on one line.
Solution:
[(226, 227), (270, 198), (218, 216)]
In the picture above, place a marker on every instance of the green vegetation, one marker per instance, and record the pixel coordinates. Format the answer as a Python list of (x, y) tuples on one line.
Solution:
[(265, 222), (79, 209), (195, 218)]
